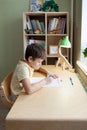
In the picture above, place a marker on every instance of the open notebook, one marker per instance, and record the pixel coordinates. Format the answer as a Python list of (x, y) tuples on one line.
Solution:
[(55, 83)]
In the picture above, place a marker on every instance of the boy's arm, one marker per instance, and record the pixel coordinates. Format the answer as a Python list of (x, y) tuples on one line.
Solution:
[(31, 88), (44, 71)]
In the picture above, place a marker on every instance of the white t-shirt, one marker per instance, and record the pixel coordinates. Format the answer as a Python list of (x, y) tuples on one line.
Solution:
[(22, 71)]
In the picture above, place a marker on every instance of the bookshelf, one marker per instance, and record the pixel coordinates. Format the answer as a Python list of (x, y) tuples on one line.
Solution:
[(46, 28)]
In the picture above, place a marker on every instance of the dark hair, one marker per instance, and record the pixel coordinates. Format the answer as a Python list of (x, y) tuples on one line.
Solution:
[(36, 51)]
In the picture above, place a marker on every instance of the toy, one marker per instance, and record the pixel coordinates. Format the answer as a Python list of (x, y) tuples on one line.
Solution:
[(38, 31)]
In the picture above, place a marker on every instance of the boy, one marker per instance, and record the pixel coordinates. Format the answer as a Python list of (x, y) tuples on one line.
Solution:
[(34, 56)]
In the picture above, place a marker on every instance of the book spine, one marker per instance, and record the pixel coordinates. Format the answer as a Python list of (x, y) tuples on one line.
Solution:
[(28, 26), (34, 25), (42, 27)]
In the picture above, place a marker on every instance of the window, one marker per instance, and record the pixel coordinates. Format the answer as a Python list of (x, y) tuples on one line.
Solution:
[(84, 31)]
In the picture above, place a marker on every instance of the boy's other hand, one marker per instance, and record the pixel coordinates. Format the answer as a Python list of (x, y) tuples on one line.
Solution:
[(52, 75)]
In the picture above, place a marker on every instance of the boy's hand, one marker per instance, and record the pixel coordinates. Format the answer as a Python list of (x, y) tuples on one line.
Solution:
[(49, 79), (52, 75)]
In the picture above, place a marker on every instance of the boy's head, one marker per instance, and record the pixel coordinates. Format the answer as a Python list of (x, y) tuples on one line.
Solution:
[(35, 51), (35, 54)]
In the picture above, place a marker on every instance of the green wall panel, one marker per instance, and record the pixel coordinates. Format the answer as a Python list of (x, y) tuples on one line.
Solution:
[(11, 31)]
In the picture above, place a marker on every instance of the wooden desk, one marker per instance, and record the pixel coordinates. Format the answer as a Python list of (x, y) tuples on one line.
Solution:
[(61, 108)]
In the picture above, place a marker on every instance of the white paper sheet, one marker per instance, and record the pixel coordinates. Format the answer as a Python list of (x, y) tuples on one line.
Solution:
[(55, 83)]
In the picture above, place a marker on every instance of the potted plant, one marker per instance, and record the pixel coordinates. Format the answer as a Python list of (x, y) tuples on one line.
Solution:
[(49, 6), (85, 52)]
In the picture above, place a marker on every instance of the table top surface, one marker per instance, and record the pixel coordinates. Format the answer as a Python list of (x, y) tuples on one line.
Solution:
[(66, 102)]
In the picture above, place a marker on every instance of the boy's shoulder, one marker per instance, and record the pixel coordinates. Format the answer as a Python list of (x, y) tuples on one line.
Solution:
[(22, 64)]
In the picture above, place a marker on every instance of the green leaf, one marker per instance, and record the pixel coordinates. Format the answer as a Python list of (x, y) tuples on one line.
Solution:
[(85, 52)]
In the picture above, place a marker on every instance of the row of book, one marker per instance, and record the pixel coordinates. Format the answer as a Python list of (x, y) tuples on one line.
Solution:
[(57, 25), (34, 26)]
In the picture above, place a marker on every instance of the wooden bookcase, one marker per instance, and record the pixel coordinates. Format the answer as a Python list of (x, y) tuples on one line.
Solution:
[(52, 30)]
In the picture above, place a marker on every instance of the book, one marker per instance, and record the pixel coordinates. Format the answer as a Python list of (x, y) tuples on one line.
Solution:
[(61, 25), (52, 26), (38, 25), (28, 26), (42, 27), (34, 25)]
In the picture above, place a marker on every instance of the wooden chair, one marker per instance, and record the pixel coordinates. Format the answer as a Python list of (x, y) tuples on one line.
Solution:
[(5, 90)]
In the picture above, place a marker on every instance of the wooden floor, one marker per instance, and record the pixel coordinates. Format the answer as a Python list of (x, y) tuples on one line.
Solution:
[(3, 113)]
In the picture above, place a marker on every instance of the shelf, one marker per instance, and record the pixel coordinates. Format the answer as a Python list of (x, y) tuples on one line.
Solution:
[(52, 26)]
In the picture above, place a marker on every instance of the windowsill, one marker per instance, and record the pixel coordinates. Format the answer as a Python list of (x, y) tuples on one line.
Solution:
[(81, 69), (82, 66)]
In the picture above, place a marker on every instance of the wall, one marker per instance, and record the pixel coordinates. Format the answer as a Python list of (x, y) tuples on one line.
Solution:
[(11, 33), (11, 37)]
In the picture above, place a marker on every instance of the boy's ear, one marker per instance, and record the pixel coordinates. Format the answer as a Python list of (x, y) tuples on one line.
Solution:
[(30, 59)]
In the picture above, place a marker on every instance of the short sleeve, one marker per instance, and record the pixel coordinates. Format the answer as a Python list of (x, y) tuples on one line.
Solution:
[(22, 72)]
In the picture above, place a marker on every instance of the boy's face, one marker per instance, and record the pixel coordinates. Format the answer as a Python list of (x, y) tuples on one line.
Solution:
[(35, 64)]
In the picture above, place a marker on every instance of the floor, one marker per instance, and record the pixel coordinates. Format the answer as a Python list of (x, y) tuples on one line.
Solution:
[(3, 113)]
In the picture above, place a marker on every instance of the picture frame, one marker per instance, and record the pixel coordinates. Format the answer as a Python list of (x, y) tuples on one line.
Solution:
[(35, 5), (53, 49)]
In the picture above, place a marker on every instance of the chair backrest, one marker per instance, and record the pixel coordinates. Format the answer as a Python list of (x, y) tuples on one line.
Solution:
[(5, 90)]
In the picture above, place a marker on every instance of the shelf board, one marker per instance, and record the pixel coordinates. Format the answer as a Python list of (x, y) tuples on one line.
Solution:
[(57, 34), (35, 34), (55, 55), (52, 55), (34, 13)]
